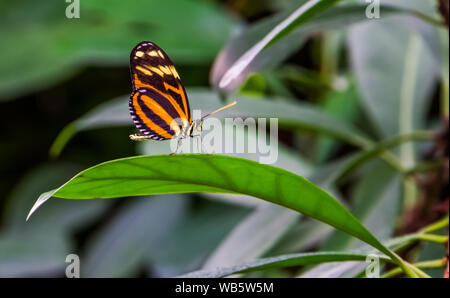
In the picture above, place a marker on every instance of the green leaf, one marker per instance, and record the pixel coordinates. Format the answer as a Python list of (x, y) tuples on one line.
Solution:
[(145, 175), (275, 219), (280, 262), (286, 159)]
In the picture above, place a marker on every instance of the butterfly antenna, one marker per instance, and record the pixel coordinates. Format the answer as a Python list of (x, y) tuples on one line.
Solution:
[(218, 110)]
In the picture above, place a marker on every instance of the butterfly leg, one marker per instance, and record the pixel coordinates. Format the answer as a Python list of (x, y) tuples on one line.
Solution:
[(200, 147), (179, 141), (139, 137), (199, 144)]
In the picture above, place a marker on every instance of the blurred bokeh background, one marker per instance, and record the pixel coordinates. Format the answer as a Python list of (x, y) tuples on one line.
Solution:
[(55, 70)]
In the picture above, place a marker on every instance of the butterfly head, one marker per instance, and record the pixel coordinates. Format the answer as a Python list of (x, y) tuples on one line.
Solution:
[(196, 126)]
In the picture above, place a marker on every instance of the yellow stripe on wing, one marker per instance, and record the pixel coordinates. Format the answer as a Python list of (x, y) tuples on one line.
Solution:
[(144, 70)]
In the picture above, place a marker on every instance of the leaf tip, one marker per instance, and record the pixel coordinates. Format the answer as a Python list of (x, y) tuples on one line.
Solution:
[(41, 200)]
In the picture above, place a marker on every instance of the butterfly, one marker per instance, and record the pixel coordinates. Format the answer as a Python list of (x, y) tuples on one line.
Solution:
[(159, 104)]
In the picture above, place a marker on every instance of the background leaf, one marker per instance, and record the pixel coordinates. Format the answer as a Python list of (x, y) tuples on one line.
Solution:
[(39, 247), (104, 36), (278, 262), (333, 18), (359, 118), (381, 87), (302, 116)]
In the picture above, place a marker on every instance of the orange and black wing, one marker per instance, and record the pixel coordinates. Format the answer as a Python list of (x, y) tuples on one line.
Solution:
[(158, 96)]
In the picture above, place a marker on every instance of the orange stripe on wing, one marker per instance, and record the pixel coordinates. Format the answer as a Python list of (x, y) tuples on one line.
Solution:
[(183, 115), (156, 128), (180, 91), (160, 111), (139, 84)]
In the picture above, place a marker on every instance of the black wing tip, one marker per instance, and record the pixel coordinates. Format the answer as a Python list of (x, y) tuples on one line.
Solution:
[(144, 44)]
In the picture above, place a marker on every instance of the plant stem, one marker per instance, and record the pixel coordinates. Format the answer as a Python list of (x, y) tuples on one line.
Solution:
[(433, 238), (435, 226), (420, 265), (425, 166), (407, 95), (399, 243), (419, 272), (429, 19), (380, 150)]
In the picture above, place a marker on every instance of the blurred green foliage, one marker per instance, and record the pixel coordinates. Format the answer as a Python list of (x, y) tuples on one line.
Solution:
[(341, 86), (43, 47)]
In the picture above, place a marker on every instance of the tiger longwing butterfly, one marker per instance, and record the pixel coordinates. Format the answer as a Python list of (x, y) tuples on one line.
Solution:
[(158, 104)]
